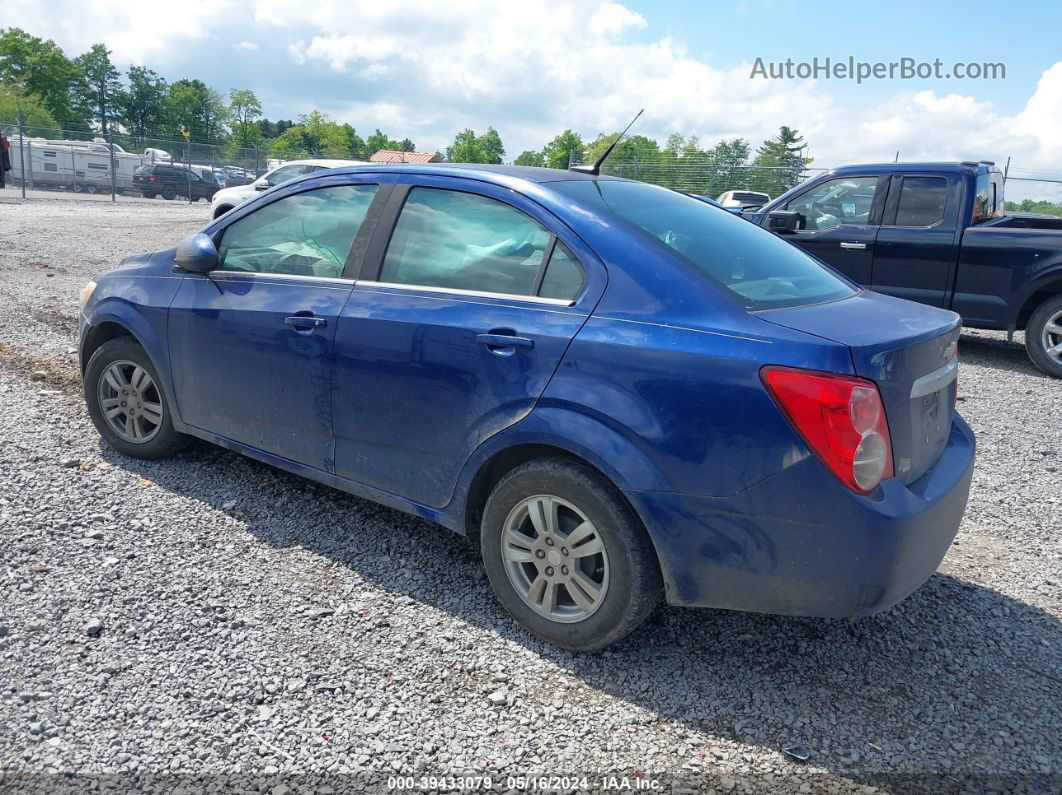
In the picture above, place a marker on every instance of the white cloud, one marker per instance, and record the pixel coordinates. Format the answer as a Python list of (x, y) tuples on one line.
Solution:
[(245, 45), (426, 69)]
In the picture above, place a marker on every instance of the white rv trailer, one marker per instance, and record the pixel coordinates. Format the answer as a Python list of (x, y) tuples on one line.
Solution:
[(78, 165)]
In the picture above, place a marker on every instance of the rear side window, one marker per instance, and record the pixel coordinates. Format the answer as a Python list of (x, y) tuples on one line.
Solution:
[(564, 276), (305, 234), (922, 201), (463, 241), (758, 268)]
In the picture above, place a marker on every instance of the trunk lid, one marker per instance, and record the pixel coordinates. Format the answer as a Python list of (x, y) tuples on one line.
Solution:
[(909, 350)]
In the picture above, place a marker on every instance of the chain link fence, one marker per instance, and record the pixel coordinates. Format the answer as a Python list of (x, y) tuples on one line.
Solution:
[(76, 161)]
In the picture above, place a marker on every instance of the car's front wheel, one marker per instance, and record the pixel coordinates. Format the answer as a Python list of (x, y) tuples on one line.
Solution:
[(126, 403), (567, 556), (1043, 337)]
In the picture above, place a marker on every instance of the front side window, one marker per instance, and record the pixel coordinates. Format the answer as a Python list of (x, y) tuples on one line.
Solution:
[(463, 241), (305, 234), (757, 267), (284, 173), (921, 201), (845, 200)]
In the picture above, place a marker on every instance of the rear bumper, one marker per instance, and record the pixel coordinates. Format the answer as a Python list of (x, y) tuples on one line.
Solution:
[(800, 543)]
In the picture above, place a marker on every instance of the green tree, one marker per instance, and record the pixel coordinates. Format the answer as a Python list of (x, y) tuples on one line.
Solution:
[(355, 143), (194, 106), (633, 148), (529, 158), (14, 104), (728, 166), (490, 144), (781, 160), (377, 141), (406, 145), (143, 107), (471, 148), (244, 109), (315, 134), (35, 67), (98, 88), (563, 150), (465, 148)]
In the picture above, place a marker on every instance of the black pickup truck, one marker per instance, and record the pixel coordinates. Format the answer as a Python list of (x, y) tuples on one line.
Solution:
[(935, 233)]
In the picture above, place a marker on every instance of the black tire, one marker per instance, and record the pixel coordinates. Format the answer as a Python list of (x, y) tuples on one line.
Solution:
[(1034, 336), (634, 583), (168, 192), (166, 441), (149, 195), (221, 211)]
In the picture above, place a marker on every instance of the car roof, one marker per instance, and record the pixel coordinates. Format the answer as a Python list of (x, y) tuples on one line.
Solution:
[(485, 171), (946, 167), (324, 162)]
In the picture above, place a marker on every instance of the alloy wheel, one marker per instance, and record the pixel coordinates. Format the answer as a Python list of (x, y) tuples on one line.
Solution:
[(555, 558), (130, 401), (1051, 336)]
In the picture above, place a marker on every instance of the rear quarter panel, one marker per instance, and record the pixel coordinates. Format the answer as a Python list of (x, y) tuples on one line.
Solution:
[(1000, 268)]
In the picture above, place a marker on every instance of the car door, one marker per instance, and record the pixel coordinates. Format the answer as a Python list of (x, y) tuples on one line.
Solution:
[(918, 243), (459, 321), (838, 223), (251, 342)]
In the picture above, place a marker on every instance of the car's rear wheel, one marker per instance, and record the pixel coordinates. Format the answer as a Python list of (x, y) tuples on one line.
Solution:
[(1043, 337), (168, 192), (127, 404), (567, 556)]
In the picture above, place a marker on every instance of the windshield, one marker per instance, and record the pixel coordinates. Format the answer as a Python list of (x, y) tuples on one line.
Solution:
[(757, 267)]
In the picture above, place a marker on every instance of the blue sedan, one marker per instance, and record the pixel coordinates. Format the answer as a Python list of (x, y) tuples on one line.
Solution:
[(622, 394)]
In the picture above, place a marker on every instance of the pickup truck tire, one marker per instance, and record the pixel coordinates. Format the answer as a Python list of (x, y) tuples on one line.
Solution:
[(1043, 336), (567, 556)]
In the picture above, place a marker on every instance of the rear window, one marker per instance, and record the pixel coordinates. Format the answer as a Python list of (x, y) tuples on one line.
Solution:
[(758, 268), (988, 201)]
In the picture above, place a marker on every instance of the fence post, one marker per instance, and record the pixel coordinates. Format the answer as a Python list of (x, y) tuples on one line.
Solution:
[(188, 165), (22, 154), (256, 161), (73, 168), (110, 149)]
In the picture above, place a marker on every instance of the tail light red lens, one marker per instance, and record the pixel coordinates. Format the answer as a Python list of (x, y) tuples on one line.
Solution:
[(842, 420), (151, 178)]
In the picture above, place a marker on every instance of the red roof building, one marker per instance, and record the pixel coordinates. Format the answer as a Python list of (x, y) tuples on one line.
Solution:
[(393, 156)]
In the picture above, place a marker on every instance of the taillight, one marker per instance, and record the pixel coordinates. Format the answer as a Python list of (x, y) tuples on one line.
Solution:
[(151, 178), (842, 420)]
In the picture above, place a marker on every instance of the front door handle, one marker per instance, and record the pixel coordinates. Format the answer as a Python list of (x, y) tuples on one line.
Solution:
[(854, 246), (499, 342), (305, 322)]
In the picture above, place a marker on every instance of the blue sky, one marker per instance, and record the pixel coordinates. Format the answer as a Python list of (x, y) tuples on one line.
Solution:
[(426, 69)]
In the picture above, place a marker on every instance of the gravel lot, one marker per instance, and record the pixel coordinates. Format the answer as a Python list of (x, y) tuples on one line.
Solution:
[(211, 622)]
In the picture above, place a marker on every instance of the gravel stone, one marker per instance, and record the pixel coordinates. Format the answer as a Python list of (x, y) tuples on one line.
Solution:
[(210, 666)]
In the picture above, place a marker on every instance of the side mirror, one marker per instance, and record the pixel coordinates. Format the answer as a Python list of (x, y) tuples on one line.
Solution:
[(783, 221), (261, 184), (196, 254)]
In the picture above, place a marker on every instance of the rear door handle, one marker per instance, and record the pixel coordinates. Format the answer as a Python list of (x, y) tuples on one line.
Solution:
[(305, 322), (493, 341), (855, 246)]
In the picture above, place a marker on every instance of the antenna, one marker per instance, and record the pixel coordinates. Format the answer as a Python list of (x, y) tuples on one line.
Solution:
[(595, 167)]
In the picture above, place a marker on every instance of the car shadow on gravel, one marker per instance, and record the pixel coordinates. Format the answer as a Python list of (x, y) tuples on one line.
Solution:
[(944, 684), (997, 353)]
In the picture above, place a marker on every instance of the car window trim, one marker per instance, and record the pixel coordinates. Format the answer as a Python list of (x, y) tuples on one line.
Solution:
[(352, 264), (227, 275), (532, 299), (388, 222)]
